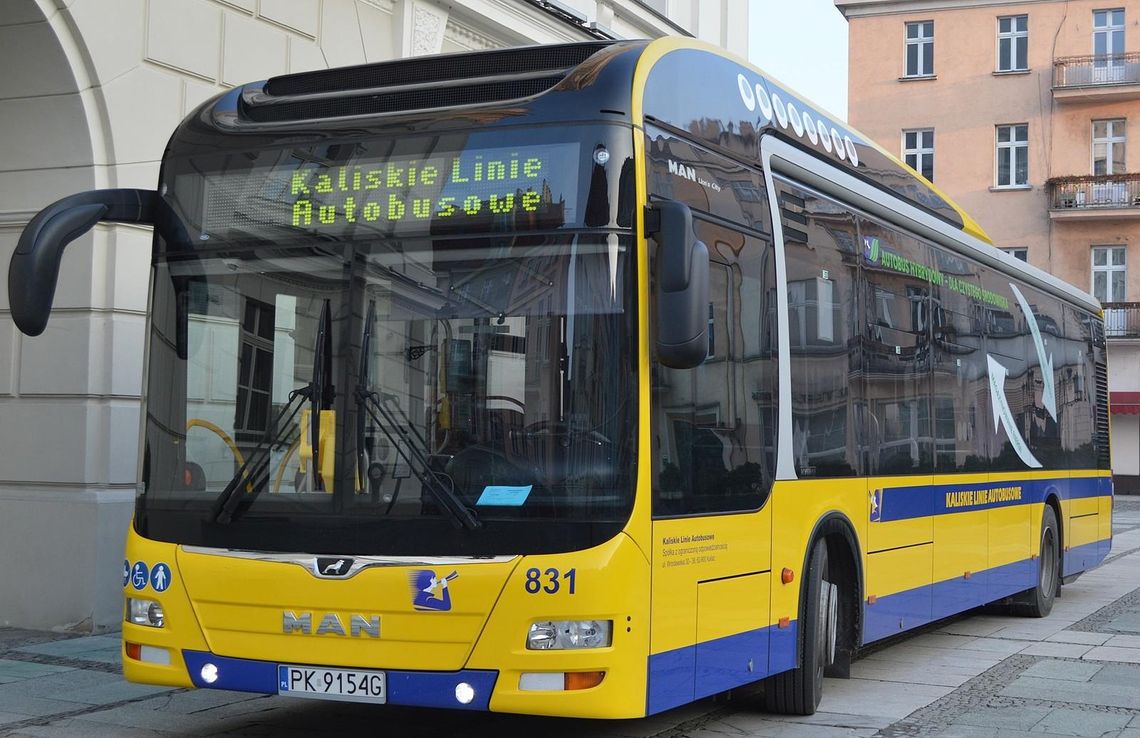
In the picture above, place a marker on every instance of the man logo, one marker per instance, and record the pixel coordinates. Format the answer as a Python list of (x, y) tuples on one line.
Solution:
[(330, 567)]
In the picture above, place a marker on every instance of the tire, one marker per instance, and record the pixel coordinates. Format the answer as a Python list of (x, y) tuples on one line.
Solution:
[(1038, 602), (797, 692)]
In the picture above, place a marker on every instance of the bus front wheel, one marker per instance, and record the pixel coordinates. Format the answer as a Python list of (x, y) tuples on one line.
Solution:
[(1038, 602), (797, 692)]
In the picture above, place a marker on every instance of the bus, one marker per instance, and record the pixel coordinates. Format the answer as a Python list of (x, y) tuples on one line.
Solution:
[(583, 380)]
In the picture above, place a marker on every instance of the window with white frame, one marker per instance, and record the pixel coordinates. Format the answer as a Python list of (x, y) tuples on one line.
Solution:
[(1013, 155), (1108, 146), (918, 151), (1108, 273), (1018, 252), (1013, 43), (1108, 32), (920, 49)]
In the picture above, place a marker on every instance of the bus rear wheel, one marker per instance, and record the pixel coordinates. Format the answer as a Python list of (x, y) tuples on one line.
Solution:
[(1038, 602), (798, 692)]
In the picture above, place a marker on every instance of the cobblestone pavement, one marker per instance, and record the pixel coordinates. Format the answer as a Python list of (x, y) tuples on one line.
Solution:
[(984, 675)]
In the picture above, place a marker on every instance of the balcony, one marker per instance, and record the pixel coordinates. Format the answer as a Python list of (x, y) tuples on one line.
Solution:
[(1096, 78), (1095, 197), (1121, 319)]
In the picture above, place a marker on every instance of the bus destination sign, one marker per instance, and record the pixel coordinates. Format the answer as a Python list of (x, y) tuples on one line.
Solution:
[(475, 189)]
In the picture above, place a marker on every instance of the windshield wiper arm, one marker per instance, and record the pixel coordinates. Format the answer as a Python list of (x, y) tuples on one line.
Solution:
[(401, 439), (408, 443), (253, 475)]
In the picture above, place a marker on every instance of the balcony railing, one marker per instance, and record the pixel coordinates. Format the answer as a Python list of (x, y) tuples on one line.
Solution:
[(1096, 71), (1121, 319), (1108, 191)]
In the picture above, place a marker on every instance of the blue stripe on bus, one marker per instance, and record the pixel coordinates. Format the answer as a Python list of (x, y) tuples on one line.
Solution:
[(409, 688), (893, 614), (684, 674), (905, 503)]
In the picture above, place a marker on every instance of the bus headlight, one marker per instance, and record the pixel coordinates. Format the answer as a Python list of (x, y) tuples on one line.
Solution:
[(548, 635), (145, 612)]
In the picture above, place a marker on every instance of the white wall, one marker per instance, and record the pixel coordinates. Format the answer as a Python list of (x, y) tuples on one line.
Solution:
[(91, 91)]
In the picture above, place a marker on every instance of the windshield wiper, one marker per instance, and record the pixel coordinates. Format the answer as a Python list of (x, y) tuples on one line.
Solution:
[(253, 475), (408, 444)]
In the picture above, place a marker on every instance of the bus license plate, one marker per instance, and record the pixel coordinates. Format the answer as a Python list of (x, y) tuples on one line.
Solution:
[(331, 684)]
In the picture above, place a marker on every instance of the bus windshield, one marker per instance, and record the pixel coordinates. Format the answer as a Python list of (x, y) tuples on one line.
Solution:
[(346, 384)]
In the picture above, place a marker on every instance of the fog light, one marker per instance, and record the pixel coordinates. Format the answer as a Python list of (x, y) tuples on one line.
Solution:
[(569, 634), (209, 673), (145, 612), (464, 692)]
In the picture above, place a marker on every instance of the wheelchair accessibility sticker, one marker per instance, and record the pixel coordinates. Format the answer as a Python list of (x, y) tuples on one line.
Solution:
[(430, 592)]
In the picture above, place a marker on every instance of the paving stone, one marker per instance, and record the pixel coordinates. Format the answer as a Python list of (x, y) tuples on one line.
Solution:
[(1084, 723), (1070, 671), (79, 728), (1062, 650), (18, 670), (74, 646), (1113, 653), (1128, 623), (1077, 636), (1087, 693), (116, 692), (1124, 641), (1020, 717), (1118, 674)]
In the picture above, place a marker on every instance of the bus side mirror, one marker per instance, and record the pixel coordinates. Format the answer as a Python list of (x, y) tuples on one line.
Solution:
[(682, 285), (34, 269)]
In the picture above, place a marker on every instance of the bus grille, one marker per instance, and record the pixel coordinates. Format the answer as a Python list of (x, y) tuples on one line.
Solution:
[(422, 70), (421, 83), (1103, 456)]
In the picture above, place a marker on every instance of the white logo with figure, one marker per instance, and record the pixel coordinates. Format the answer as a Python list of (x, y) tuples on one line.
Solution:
[(160, 577), (335, 567)]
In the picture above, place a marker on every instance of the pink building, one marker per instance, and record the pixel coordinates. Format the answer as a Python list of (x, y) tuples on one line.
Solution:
[(1021, 111)]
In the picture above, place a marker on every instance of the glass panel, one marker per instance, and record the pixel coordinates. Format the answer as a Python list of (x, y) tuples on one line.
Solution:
[(1100, 286), (1023, 22), (1021, 133), (1022, 54), (1004, 54), (1117, 42), (1118, 256), (1101, 128), (912, 161), (1100, 257), (928, 27), (911, 138), (1022, 153), (1117, 294), (1003, 134), (928, 166), (928, 139), (912, 59), (1100, 44), (1100, 159), (928, 58), (1004, 24), (912, 30), (1118, 158), (1003, 167)]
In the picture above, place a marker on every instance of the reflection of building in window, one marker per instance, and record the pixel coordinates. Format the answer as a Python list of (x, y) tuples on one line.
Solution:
[(255, 368)]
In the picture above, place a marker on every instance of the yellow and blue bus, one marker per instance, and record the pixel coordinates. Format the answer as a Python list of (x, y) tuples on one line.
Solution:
[(582, 380)]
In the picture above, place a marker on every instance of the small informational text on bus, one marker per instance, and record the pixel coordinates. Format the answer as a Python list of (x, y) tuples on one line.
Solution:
[(688, 550)]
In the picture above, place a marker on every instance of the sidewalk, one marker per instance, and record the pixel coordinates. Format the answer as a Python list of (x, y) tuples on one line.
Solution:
[(1075, 673)]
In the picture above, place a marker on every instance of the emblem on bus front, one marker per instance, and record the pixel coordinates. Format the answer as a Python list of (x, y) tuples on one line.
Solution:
[(429, 591), (333, 566)]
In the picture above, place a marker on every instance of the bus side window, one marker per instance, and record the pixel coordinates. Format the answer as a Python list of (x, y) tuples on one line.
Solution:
[(821, 256), (713, 426), (896, 349)]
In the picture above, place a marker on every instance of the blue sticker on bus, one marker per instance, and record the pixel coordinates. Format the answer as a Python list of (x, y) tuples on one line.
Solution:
[(140, 575), (504, 496), (160, 577)]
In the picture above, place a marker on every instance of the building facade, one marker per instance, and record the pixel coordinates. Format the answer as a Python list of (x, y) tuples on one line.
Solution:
[(91, 92), (1021, 111)]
